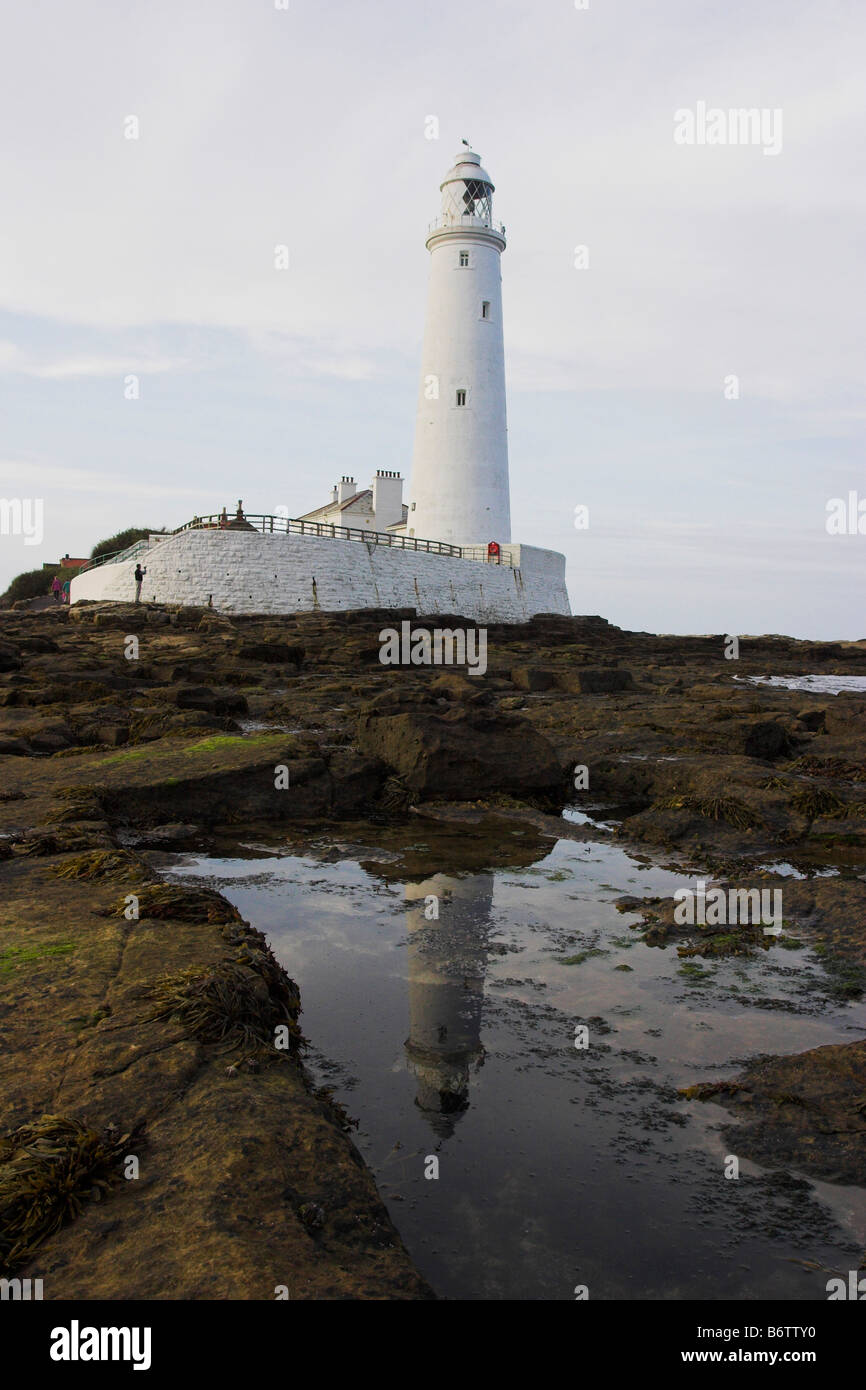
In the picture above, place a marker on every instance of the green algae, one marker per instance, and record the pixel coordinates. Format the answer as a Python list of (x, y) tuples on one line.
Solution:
[(13, 956)]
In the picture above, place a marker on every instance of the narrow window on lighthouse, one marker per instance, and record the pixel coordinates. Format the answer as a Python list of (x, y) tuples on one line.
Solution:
[(461, 397), (485, 309), (464, 258)]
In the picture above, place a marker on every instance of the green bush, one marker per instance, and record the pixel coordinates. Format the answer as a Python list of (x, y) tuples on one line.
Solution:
[(123, 539), (30, 584)]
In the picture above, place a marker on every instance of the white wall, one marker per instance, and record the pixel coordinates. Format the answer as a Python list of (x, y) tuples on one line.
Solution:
[(247, 572), (387, 499)]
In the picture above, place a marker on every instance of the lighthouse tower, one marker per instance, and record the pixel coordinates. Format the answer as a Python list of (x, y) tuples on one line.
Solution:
[(459, 487)]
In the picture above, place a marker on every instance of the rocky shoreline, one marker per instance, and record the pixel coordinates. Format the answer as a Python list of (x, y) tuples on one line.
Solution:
[(144, 1016)]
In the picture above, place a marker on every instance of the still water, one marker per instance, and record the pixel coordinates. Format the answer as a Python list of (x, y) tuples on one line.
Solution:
[(454, 1039)]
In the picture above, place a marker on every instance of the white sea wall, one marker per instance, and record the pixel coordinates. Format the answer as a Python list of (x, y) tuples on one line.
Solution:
[(248, 572)]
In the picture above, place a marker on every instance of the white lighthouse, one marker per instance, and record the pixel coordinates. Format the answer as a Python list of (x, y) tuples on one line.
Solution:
[(365, 548), (459, 489)]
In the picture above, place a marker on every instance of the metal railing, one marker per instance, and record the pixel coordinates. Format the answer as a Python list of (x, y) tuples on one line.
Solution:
[(267, 524), (282, 525), (448, 222), (481, 555), (117, 556)]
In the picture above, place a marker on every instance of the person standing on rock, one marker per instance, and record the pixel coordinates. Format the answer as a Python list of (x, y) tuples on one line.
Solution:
[(139, 576), (55, 589), (66, 591)]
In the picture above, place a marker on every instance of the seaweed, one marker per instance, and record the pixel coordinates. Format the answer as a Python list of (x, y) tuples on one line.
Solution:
[(815, 802), (726, 808), (103, 863), (48, 1171), (236, 1004), (77, 804), (174, 902)]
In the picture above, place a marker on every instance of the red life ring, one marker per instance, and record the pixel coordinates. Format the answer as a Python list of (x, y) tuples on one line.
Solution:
[(493, 550)]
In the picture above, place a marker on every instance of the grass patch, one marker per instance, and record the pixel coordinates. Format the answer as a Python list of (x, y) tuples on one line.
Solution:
[(210, 745), (217, 741), (129, 755), (13, 956)]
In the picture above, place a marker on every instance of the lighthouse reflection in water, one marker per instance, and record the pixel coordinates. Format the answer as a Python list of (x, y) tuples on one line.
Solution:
[(448, 922), (542, 1149)]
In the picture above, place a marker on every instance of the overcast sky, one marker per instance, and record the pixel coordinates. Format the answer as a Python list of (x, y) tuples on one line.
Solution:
[(307, 126)]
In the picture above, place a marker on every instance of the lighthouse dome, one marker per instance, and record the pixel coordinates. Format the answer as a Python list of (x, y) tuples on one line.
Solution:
[(467, 190), (467, 165)]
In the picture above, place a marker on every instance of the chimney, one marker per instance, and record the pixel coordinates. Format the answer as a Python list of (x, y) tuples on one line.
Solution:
[(387, 499), (346, 489)]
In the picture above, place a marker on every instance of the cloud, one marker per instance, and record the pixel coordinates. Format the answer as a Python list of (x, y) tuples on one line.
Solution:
[(261, 128), (14, 359), (44, 479)]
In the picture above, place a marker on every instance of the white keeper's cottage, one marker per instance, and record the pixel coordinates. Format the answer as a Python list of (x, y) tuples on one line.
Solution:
[(448, 549)]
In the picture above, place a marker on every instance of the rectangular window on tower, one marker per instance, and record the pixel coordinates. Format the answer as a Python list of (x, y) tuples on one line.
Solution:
[(461, 396), (485, 309), (464, 258)]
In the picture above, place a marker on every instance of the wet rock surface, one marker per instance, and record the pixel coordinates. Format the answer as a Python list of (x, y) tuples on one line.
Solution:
[(809, 1109), (125, 728)]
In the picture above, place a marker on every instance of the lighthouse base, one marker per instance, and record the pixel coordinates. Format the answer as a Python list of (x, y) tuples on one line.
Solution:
[(251, 572)]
